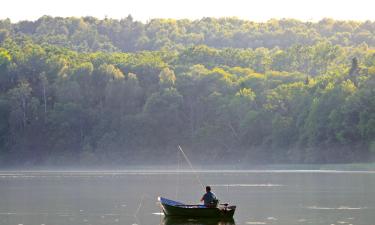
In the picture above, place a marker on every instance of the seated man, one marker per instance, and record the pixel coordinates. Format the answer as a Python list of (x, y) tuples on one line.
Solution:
[(209, 198)]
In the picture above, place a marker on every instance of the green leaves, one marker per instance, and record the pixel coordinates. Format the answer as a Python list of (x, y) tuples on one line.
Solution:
[(279, 91), (167, 78), (5, 58)]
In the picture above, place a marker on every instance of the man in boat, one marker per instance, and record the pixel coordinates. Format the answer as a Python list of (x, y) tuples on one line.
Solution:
[(209, 198)]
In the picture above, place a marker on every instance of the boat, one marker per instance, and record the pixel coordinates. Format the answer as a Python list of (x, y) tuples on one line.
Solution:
[(197, 221), (178, 209)]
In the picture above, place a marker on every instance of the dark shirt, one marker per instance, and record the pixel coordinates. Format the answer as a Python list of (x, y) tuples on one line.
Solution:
[(208, 198)]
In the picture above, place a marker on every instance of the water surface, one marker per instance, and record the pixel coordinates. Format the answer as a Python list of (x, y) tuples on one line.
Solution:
[(130, 197)]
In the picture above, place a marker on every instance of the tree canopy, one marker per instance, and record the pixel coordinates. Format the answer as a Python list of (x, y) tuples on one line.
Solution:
[(84, 91)]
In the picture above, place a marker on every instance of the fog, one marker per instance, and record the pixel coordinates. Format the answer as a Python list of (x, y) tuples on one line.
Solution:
[(129, 197)]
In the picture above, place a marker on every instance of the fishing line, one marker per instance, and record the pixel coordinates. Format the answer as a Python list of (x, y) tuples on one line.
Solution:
[(191, 166), (135, 215), (139, 206), (178, 174)]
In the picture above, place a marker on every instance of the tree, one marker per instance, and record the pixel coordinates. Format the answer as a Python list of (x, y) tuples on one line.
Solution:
[(354, 69), (23, 105), (5, 61), (44, 83), (167, 78), (163, 108)]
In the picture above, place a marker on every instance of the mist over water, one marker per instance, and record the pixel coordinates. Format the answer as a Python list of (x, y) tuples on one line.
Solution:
[(130, 197)]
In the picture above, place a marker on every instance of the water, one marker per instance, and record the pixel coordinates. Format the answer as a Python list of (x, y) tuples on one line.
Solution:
[(126, 198)]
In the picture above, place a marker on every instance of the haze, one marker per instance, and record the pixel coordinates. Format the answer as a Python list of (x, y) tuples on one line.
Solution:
[(144, 10)]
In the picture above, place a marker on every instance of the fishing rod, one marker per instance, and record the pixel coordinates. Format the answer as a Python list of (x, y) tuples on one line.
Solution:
[(191, 166), (195, 172)]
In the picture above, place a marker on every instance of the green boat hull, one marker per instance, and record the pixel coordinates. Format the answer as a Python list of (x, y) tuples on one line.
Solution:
[(196, 212), (197, 221)]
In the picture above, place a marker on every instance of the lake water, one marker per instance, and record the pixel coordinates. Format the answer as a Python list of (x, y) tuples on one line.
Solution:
[(126, 198)]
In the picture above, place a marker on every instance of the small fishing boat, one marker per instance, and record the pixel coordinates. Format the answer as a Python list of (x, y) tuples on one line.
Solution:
[(178, 209)]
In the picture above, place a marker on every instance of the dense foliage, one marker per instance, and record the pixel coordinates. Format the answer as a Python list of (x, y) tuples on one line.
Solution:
[(85, 91), (91, 34)]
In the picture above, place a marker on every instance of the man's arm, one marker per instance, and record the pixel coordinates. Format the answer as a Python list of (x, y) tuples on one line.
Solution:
[(202, 199)]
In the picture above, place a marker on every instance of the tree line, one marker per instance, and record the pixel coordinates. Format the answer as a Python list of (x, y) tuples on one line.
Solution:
[(83, 91), (92, 34)]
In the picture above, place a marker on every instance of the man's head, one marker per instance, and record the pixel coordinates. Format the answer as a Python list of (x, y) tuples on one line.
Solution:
[(208, 188)]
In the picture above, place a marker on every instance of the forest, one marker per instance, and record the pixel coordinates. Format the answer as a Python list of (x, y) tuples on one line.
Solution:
[(96, 92)]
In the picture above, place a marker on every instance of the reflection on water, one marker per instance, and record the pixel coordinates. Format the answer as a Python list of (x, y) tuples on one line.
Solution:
[(201, 221), (129, 197)]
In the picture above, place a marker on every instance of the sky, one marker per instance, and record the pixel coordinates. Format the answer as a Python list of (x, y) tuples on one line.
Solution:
[(144, 10)]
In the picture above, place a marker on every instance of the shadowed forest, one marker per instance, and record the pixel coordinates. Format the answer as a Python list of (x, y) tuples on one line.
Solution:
[(84, 91)]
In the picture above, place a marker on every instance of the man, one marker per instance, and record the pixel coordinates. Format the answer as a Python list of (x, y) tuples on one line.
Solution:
[(209, 198)]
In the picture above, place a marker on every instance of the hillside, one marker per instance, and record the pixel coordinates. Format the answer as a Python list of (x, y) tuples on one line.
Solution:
[(84, 91)]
